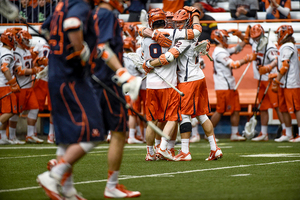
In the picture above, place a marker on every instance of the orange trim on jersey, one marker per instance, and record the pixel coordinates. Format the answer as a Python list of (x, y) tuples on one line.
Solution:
[(175, 52)]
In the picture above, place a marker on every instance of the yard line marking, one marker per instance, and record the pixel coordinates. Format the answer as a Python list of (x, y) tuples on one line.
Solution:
[(273, 155), (284, 146), (33, 156), (163, 174), (241, 175), (55, 147)]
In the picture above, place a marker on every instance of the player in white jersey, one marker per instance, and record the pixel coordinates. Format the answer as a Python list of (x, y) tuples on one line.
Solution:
[(27, 100), (265, 63), (192, 83), (8, 84), (227, 97), (289, 80), (129, 46), (40, 88)]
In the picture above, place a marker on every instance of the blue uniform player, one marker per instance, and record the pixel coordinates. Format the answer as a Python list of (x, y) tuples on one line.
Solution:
[(110, 49), (77, 116)]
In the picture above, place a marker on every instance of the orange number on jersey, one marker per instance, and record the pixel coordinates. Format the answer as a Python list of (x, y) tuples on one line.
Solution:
[(56, 28)]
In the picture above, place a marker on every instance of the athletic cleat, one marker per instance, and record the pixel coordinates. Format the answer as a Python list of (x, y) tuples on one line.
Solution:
[(296, 139), (157, 155), (183, 156), (237, 137), (51, 163), (120, 192), (108, 137), (16, 141), (260, 137), (215, 155), (5, 141), (172, 151), (33, 139), (166, 154), (284, 138), (205, 137), (134, 141), (140, 138), (50, 139), (150, 157), (195, 138), (49, 184), (73, 195)]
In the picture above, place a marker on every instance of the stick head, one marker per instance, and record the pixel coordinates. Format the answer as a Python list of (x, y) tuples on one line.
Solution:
[(136, 59), (249, 131), (9, 10)]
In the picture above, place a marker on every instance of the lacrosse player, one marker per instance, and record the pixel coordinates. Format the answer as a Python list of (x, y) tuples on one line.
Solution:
[(265, 63), (27, 100), (289, 81), (129, 46), (227, 97), (8, 83), (42, 50), (77, 116)]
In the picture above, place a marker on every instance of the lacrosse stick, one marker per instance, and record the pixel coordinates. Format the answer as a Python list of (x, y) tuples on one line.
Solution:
[(245, 71), (201, 48), (250, 126), (9, 10), (43, 73), (20, 87), (137, 60), (151, 124)]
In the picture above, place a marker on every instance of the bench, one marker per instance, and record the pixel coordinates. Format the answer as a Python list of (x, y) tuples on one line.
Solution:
[(247, 100)]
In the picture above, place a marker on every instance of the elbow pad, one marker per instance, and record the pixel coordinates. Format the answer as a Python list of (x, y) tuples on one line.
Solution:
[(235, 64), (104, 51), (195, 32), (285, 67), (72, 23), (169, 56), (4, 67), (20, 71)]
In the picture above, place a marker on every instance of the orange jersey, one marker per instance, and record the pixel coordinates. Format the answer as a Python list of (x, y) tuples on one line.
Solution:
[(172, 5), (283, 3)]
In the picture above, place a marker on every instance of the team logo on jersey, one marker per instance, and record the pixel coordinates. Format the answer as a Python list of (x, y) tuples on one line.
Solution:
[(7, 59), (95, 133)]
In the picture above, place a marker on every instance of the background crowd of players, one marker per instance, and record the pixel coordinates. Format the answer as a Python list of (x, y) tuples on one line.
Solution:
[(166, 44)]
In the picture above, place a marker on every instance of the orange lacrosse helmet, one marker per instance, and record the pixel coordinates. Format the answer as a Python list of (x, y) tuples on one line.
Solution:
[(283, 32), (256, 31), (220, 36), (129, 43), (114, 3), (170, 23), (23, 37), (8, 39), (130, 30), (182, 19), (154, 15)]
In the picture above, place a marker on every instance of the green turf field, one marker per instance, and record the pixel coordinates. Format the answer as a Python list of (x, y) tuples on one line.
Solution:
[(248, 170)]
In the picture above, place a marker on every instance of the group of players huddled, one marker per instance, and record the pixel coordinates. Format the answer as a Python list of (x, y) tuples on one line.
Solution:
[(167, 48)]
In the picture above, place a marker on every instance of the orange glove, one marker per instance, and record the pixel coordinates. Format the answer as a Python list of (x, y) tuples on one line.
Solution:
[(193, 10), (147, 67), (250, 57), (247, 34), (272, 76), (275, 85), (14, 86), (160, 38), (20, 71), (34, 54), (264, 69), (236, 32), (40, 61), (36, 70)]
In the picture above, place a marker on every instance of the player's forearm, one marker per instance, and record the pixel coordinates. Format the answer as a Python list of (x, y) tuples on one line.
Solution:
[(273, 63), (114, 63), (7, 75), (76, 39)]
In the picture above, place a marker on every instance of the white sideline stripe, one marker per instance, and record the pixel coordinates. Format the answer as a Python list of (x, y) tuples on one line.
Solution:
[(241, 175), (163, 174), (275, 155)]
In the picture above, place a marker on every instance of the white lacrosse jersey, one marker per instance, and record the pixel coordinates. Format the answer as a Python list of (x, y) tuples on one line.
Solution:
[(6, 56), (271, 55), (23, 58), (223, 76), (44, 50), (291, 79), (188, 62)]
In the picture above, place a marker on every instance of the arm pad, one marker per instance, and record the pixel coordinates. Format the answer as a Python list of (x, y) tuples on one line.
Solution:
[(285, 67), (104, 51), (169, 56), (4, 67), (20, 71), (235, 64)]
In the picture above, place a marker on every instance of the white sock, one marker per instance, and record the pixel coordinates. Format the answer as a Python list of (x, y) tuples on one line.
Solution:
[(264, 130), (150, 150), (112, 180), (171, 144), (212, 142), (138, 130), (157, 142), (35, 130), (289, 131), (61, 168), (234, 129), (51, 129), (131, 133), (194, 131), (3, 134), (283, 126), (30, 130), (68, 185), (299, 130), (163, 143), (12, 133), (185, 145)]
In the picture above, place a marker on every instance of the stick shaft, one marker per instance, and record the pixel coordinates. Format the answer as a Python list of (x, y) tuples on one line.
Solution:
[(245, 71), (171, 85)]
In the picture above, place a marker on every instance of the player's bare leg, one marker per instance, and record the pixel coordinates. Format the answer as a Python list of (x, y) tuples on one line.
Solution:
[(235, 120), (150, 136)]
